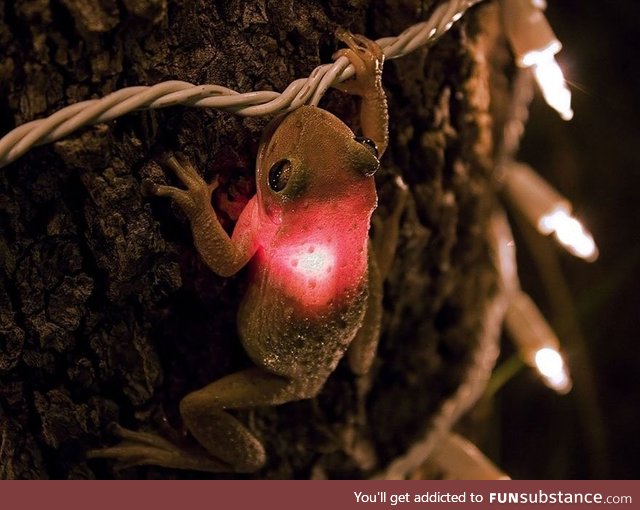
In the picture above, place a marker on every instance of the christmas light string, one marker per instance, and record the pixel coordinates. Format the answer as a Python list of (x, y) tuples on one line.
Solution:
[(534, 45), (536, 342), (458, 458), (250, 104)]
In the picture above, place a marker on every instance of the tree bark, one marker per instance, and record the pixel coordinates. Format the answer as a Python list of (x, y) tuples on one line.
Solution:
[(107, 313)]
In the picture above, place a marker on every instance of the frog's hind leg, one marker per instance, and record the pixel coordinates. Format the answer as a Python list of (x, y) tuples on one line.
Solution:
[(382, 251), (229, 446), (224, 436), (362, 349), (388, 230)]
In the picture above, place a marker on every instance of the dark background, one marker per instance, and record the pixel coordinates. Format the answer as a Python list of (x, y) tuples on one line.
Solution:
[(595, 161)]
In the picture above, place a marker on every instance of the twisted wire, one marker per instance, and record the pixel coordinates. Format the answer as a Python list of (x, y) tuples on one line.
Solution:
[(249, 104)]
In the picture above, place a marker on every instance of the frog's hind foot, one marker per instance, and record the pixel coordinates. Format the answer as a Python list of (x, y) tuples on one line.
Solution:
[(143, 448)]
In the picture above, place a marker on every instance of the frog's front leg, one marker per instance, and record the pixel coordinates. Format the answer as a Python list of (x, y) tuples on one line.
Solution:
[(223, 254), (368, 59), (229, 446)]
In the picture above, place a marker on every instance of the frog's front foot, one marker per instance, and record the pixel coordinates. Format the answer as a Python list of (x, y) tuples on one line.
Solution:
[(196, 199), (143, 448), (367, 58)]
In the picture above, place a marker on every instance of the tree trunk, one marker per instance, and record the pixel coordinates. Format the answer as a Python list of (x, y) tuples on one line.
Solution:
[(107, 313)]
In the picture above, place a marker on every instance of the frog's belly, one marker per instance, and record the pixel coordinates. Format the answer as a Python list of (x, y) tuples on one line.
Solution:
[(290, 340)]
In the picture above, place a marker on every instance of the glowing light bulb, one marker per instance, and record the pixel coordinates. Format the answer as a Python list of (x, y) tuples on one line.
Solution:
[(547, 210), (551, 366), (570, 233), (540, 56), (538, 344), (535, 46), (551, 81)]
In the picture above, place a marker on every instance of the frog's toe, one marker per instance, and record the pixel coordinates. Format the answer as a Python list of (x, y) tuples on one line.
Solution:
[(138, 437), (183, 169), (364, 44), (129, 455), (134, 448), (143, 448), (195, 200), (366, 48), (367, 59)]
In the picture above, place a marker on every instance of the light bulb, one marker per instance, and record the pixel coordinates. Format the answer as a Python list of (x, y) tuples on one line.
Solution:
[(570, 233), (547, 210), (551, 366), (537, 343), (535, 46), (551, 81), (313, 262)]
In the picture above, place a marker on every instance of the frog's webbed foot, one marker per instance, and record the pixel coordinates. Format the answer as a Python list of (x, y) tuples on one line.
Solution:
[(143, 448), (367, 58), (196, 198)]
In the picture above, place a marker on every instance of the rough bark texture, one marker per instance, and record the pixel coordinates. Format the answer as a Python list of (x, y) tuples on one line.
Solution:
[(107, 313)]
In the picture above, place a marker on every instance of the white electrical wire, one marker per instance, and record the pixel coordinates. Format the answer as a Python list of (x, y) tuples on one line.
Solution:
[(250, 104)]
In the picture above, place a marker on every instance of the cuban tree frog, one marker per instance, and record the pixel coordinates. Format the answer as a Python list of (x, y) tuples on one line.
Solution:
[(315, 287)]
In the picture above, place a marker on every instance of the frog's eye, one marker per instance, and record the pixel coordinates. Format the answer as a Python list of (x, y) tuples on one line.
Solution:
[(369, 144), (279, 175)]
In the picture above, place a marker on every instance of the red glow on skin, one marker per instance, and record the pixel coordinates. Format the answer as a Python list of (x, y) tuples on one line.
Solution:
[(318, 255)]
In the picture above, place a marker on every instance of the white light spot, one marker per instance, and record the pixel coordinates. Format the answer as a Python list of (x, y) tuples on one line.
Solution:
[(570, 233), (550, 79), (552, 367), (540, 56)]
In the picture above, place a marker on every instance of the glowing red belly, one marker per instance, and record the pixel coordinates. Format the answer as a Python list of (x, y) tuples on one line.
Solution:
[(319, 254)]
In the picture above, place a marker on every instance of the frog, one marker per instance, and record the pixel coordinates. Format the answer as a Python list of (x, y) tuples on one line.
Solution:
[(315, 282)]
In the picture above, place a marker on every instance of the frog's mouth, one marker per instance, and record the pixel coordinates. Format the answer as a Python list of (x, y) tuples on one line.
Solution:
[(374, 163), (364, 162), (370, 170)]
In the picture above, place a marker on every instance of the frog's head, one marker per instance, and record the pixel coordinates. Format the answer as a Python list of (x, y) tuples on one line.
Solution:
[(311, 156)]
